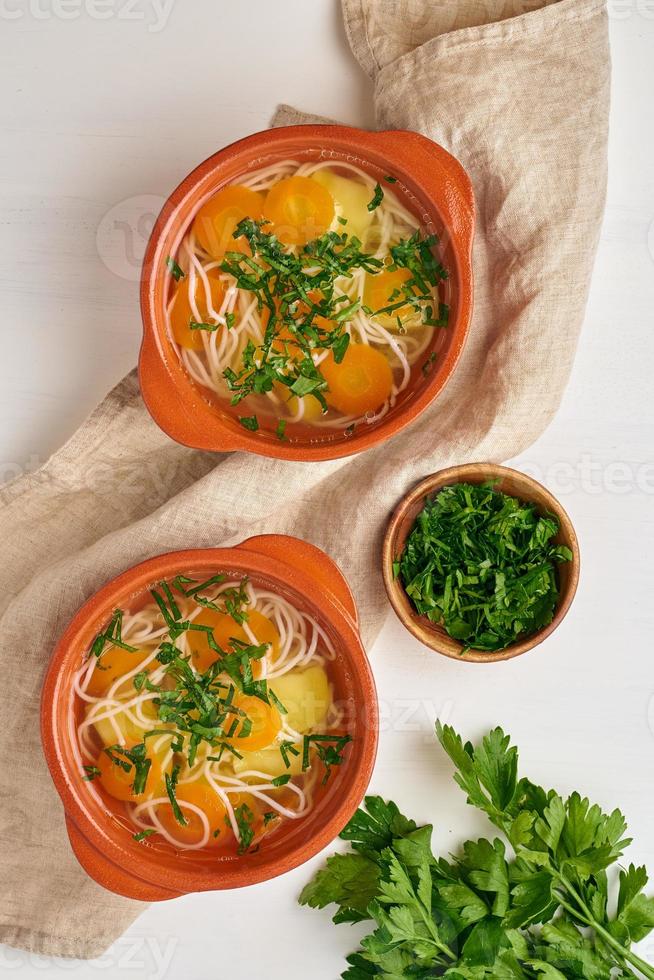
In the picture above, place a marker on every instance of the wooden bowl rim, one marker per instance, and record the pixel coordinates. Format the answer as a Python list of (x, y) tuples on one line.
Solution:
[(419, 626)]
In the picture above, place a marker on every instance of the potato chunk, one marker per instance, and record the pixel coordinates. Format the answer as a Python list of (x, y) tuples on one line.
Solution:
[(351, 199), (306, 695)]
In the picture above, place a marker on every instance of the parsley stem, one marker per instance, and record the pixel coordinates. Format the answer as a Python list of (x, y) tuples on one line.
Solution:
[(588, 919)]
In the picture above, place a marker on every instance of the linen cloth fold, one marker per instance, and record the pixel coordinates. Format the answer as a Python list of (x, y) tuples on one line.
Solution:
[(518, 90)]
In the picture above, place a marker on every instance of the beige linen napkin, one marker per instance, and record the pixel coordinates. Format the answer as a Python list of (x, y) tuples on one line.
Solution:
[(520, 94)]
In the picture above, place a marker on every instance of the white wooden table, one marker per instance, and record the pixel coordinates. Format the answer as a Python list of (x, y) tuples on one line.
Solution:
[(100, 119)]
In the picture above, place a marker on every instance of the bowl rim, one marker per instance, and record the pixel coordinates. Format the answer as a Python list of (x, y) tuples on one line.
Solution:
[(174, 401), (419, 626), (88, 831)]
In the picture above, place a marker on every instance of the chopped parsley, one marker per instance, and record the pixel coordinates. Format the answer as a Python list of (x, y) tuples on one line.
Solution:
[(329, 749), (429, 363), (245, 822), (144, 834), (171, 785), (134, 758), (304, 310), (483, 565), (174, 269), (377, 198), (112, 635), (285, 748)]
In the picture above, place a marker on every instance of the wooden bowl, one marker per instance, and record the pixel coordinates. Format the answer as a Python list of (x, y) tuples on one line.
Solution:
[(514, 484), (102, 843), (432, 184)]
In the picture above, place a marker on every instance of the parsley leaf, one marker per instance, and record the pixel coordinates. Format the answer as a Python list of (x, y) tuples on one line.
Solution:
[(349, 880)]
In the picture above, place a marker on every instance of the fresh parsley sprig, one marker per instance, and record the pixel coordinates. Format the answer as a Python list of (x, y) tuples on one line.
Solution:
[(542, 909)]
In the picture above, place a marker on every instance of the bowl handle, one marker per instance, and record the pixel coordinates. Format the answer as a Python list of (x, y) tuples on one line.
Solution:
[(442, 177), (160, 389), (312, 560), (109, 875)]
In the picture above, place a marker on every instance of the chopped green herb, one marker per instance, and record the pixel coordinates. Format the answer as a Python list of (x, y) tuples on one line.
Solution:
[(280, 431), (92, 772), (250, 422), (246, 727), (244, 821), (427, 366), (390, 180), (340, 347), (285, 748), (171, 784), (174, 269), (329, 749), (139, 680), (377, 198), (132, 759), (483, 565), (144, 834), (112, 635), (281, 780), (275, 700)]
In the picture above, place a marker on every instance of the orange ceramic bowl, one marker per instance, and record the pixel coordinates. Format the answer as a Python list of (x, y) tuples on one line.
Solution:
[(434, 187), (103, 845)]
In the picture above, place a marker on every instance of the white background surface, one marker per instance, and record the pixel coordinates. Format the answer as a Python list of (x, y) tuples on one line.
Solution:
[(99, 120)]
